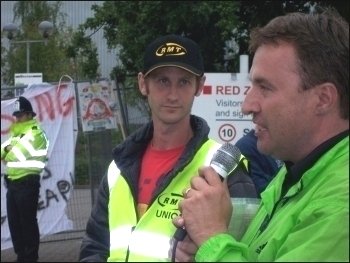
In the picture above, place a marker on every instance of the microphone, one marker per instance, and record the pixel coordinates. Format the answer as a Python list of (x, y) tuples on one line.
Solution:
[(224, 162)]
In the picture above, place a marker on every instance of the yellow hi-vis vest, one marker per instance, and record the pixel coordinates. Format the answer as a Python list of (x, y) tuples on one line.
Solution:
[(29, 152), (149, 238)]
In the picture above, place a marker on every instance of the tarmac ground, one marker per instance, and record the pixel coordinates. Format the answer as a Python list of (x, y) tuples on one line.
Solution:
[(65, 246), (54, 251)]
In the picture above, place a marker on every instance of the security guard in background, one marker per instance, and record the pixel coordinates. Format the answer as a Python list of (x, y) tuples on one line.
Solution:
[(25, 155)]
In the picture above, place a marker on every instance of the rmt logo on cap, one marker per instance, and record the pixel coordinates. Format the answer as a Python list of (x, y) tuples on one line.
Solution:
[(170, 49), (173, 51)]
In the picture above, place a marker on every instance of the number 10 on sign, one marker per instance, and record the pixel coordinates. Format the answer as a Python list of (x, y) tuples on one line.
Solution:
[(227, 132)]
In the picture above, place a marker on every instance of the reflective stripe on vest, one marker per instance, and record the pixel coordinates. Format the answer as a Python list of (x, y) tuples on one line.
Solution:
[(145, 243), (113, 175), (19, 155), (148, 239), (26, 164), (22, 159), (120, 237), (32, 151)]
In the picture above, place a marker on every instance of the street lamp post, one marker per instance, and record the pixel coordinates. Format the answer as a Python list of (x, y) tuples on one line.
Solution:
[(45, 29)]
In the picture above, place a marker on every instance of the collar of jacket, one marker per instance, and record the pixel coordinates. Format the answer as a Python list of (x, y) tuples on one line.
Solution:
[(304, 172), (295, 171), (18, 128), (128, 154)]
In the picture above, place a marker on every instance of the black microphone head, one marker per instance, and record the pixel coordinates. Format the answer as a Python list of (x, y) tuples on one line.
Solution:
[(226, 159)]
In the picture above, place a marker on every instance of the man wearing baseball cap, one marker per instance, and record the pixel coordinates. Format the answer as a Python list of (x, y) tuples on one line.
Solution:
[(173, 50), (139, 195), (24, 154)]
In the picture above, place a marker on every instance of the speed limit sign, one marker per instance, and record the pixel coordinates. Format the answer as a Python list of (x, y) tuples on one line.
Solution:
[(227, 132)]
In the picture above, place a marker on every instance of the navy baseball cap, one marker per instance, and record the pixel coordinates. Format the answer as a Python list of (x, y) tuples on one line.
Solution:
[(173, 50)]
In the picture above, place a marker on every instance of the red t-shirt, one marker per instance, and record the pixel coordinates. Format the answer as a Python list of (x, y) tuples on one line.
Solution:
[(154, 164)]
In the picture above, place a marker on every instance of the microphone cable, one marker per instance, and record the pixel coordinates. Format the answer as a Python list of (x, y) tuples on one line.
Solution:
[(178, 236)]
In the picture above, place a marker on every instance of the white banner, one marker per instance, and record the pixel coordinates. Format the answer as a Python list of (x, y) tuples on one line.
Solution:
[(56, 111)]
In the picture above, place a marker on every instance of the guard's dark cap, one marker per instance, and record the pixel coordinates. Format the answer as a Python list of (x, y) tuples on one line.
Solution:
[(173, 50), (22, 105)]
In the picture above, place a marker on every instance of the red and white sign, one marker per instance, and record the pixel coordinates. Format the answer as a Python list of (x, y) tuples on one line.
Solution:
[(94, 101), (220, 105)]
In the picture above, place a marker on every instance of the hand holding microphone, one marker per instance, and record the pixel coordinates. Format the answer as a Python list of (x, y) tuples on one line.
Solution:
[(225, 160), (207, 208)]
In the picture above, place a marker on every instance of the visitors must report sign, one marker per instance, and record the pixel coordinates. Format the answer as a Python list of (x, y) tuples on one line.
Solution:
[(220, 105)]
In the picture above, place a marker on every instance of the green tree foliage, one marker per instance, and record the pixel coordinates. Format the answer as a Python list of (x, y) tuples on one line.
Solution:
[(130, 25), (253, 13), (46, 58), (83, 54), (50, 58)]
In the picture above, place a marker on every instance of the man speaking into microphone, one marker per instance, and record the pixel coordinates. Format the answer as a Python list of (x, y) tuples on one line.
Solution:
[(299, 101)]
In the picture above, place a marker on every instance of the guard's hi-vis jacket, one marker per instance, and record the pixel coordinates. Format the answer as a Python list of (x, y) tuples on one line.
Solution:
[(28, 154), (309, 223), (115, 233)]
